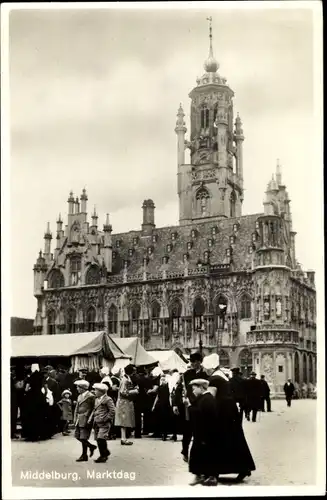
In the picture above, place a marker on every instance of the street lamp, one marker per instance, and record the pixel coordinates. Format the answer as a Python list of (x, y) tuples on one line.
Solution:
[(200, 331)]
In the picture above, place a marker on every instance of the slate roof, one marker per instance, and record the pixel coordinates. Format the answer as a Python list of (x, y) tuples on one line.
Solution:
[(139, 244)]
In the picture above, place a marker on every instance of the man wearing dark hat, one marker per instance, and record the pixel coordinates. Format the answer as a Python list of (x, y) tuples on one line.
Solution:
[(265, 394), (184, 398), (238, 389), (254, 396)]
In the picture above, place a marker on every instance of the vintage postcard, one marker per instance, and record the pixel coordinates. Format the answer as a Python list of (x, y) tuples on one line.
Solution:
[(162, 249)]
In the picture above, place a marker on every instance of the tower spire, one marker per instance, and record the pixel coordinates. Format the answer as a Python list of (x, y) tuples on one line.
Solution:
[(211, 65)]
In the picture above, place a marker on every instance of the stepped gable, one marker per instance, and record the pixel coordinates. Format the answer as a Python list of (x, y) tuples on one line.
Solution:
[(134, 247)]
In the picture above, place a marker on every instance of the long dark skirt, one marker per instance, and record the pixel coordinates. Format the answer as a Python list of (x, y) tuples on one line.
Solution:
[(202, 459)]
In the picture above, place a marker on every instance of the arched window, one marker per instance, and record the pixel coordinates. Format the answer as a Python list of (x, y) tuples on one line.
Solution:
[(155, 317), (266, 301), (112, 319), (204, 117), (223, 359), (202, 201), (75, 270), (311, 370), (296, 367), (91, 319), (56, 279), (220, 312), (305, 367), (245, 307), (135, 316), (92, 275), (51, 316), (175, 316), (232, 204), (245, 362), (198, 312), (71, 321)]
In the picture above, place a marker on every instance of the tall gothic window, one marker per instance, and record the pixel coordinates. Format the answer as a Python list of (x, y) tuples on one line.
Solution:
[(56, 279), (175, 316), (233, 204), (71, 320), (112, 319), (204, 117), (220, 312), (91, 319), (245, 362), (75, 270), (202, 201), (155, 317), (92, 275), (135, 315), (266, 302), (198, 312), (223, 359), (51, 322), (245, 307)]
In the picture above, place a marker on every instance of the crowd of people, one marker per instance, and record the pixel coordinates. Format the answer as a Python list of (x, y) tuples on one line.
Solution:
[(206, 405)]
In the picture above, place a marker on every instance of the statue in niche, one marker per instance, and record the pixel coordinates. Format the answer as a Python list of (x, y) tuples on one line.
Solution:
[(266, 308), (278, 307)]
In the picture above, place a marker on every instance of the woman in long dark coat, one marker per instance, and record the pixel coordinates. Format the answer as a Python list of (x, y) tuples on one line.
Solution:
[(162, 408), (202, 460), (233, 454), (35, 409)]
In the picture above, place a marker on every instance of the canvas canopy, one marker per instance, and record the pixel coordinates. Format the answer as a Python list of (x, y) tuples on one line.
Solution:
[(133, 347), (169, 360), (66, 345)]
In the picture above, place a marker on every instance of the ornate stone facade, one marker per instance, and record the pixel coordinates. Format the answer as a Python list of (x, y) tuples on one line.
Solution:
[(226, 282)]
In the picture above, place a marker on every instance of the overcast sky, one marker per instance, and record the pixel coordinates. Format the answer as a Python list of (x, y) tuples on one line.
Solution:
[(94, 96)]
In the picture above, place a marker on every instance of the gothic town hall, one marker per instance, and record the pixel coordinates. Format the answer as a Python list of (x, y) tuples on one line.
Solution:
[(219, 281)]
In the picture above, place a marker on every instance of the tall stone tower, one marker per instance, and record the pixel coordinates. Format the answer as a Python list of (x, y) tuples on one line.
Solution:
[(211, 186)]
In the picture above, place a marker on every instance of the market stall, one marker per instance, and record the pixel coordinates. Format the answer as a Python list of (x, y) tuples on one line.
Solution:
[(169, 360), (133, 347), (90, 350)]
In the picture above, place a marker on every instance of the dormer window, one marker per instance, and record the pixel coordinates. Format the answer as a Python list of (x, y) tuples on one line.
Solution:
[(206, 257), (250, 249), (173, 236), (145, 261), (228, 252), (165, 259), (232, 240), (254, 237), (214, 231), (135, 241), (235, 228), (154, 238), (150, 251), (185, 257), (257, 225), (193, 233), (118, 243), (169, 247), (130, 252), (189, 245), (210, 243), (113, 255)]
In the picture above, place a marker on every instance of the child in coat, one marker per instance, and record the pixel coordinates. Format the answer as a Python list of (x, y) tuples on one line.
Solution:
[(66, 406), (102, 417)]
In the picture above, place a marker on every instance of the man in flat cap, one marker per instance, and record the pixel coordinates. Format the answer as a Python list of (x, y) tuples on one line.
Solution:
[(184, 398), (204, 428), (83, 410), (102, 417)]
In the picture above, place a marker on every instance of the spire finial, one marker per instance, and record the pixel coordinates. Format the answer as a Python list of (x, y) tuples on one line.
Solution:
[(278, 172), (211, 64), (210, 36)]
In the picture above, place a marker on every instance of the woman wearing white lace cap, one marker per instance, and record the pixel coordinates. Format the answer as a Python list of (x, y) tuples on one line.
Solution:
[(233, 454)]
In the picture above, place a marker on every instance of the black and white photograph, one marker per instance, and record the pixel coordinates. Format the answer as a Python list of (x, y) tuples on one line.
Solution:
[(162, 249)]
